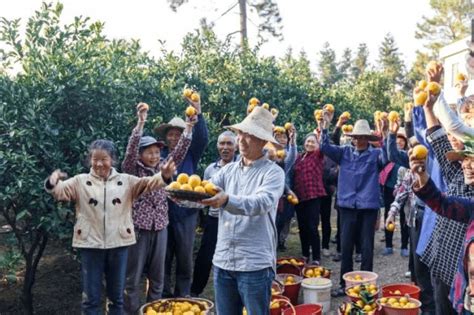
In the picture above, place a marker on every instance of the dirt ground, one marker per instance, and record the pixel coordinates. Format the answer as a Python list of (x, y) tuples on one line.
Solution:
[(58, 285)]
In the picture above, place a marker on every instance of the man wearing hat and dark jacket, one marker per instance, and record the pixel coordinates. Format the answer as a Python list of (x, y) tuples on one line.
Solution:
[(183, 221), (150, 212), (358, 191)]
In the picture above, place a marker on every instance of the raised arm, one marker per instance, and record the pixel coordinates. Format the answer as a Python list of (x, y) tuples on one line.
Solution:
[(131, 155), (140, 185), (62, 190)]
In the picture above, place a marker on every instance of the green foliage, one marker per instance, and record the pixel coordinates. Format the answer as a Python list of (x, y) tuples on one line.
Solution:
[(449, 24)]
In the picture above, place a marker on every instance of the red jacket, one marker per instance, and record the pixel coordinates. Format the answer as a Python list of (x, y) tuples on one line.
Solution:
[(308, 175)]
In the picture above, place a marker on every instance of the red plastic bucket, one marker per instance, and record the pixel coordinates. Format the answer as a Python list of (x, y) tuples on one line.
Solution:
[(405, 288), (291, 291), (292, 265), (390, 310), (304, 309), (282, 306)]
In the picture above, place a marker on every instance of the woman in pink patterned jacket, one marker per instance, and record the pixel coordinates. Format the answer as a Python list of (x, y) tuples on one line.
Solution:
[(150, 212)]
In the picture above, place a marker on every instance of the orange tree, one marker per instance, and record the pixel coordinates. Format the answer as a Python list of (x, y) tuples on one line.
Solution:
[(73, 85)]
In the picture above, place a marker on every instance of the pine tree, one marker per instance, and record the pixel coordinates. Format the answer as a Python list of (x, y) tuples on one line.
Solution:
[(345, 64), (327, 65), (361, 61), (390, 61)]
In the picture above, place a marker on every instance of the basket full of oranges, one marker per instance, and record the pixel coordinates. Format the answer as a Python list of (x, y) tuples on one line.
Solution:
[(187, 190)]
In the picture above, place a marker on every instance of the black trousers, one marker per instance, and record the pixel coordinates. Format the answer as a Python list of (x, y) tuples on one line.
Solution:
[(421, 272), (326, 203), (351, 219), (307, 213), (203, 263)]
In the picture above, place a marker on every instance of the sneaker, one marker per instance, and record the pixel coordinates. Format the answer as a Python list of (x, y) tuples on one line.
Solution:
[(358, 258), (338, 292), (404, 252), (315, 263), (326, 252), (408, 274), (387, 251), (199, 230), (337, 257)]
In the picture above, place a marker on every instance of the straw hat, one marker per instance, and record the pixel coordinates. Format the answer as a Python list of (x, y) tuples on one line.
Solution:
[(259, 123), (362, 128), (176, 122), (468, 151)]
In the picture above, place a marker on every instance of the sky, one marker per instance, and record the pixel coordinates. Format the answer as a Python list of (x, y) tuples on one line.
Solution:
[(307, 24)]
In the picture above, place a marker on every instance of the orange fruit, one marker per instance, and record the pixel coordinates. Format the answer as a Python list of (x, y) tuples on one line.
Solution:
[(204, 182), (194, 181), (187, 93), (182, 178), (266, 106), (274, 111), (329, 108), (281, 154), (254, 101), (174, 185), (432, 65), (190, 111), (186, 187), (210, 189), (461, 77), (434, 88), (144, 106), (420, 152), (288, 126), (346, 114), (250, 108), (422, 84), (420, 98), (318, 114), (195, 97), (377, 115), (390, 227), (408, 106), (393, 116), (200, 189), (279, 129)]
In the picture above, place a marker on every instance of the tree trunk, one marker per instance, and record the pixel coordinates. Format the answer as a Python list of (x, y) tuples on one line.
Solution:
[(32, 260), (243, 22)]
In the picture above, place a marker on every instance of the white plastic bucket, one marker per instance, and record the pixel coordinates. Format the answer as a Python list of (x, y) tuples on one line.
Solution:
[(317, 291)]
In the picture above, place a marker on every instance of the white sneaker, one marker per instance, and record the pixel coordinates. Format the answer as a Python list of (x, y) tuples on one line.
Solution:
[(326, 252), (408, 274)]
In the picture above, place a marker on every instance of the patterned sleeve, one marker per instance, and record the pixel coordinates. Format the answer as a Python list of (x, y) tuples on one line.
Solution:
[(131, 155), (454, 208), (440, 144), (179, 152), (402, 194)]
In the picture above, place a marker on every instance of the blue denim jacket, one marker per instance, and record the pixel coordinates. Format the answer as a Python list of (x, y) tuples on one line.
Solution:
[(358, 183)]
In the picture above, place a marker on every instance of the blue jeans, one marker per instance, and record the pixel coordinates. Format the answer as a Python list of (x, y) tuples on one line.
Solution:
[(236, 289), (95, 263)]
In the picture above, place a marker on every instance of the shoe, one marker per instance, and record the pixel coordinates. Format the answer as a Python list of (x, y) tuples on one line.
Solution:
[(387, 251), (408, 274), (337, 257), (404, 252), (326, 252), (338, 292), (315, 263), (358, 258), (199, 230)]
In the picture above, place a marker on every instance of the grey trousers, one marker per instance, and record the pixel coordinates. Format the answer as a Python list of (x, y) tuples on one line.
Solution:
[(181, 234), (147, 257)]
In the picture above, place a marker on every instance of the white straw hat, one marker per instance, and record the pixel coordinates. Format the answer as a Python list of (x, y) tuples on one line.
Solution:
[(176, 122), (259, 123), (362, 128)]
